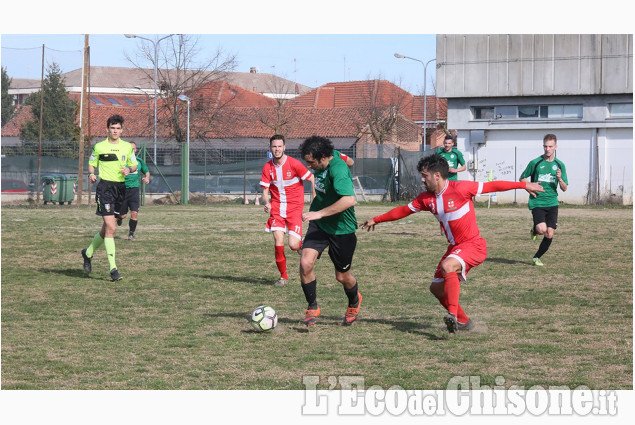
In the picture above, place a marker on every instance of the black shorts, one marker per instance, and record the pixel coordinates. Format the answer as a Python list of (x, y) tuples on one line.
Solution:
[(341, 247), (131, 200), (548, 215), (109, 197)]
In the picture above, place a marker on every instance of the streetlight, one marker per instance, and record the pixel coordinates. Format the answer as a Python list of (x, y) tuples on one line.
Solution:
[(156, 77), (425, 94), (185, 162)]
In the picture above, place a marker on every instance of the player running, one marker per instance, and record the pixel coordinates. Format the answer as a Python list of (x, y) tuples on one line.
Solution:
[(451, 203), (283, 177)]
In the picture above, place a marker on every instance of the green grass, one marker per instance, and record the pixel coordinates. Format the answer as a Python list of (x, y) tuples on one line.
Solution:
[(178, 320)]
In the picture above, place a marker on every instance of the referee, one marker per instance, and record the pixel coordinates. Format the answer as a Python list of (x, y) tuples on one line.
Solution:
[(115, 159)]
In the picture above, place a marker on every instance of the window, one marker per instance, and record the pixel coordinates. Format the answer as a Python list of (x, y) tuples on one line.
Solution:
[(97, 101), (564, 111), (524, 112), (128, 101), (483, 113), (528, 111), (619, 110), (113, 101)]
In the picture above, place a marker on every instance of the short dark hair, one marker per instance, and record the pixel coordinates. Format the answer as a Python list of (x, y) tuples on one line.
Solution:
[(434, 163), (277, 137), (114, 119), (318, 147), (550, 137), (449, 137)]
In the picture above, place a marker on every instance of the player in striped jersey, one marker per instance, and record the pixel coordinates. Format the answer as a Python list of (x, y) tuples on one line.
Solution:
[(451, 203), (283, 178)]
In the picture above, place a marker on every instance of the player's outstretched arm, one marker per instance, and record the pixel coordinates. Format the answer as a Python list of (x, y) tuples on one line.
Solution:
[(534, 187), (392, 215)]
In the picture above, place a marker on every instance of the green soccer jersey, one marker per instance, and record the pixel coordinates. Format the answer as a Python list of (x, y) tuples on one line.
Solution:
[(110, 158), (544, 172), (454, 158), (330, 185), (132, 179)]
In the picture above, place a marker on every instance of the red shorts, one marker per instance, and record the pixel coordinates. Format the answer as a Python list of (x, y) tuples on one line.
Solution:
[(292, 224), (469, 254)]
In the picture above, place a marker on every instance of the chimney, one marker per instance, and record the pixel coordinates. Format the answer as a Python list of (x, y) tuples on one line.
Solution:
[(252, 70)]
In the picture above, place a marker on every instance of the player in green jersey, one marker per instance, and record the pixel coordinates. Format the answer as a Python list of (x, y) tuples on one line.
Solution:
[(332, 223), (551, 173), (115, 159), (453, 156), (132, 198)]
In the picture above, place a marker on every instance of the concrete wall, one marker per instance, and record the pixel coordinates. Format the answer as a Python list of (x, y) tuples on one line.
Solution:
[(484, 65), (506, 152)]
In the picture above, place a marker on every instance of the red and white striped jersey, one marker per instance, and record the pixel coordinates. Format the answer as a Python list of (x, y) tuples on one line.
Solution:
[(285, 185), (454, 209)]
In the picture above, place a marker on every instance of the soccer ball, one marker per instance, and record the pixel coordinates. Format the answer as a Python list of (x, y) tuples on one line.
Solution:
[(263, 318)]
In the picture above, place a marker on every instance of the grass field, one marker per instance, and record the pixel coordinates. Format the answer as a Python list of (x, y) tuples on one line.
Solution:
[(178, 320)]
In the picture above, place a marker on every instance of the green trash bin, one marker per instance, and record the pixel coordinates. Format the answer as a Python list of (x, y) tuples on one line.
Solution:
[(59, 188)]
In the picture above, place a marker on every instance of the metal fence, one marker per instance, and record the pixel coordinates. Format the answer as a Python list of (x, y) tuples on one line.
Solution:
[(378, 170)]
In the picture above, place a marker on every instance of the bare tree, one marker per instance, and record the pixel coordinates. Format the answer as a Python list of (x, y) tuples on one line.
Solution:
[(384, 104), (277, 117), (182, 69)]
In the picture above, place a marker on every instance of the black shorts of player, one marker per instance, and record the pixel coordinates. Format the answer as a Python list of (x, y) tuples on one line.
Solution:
[(341, 247), (131, 200), (109, 197), (548, 215)]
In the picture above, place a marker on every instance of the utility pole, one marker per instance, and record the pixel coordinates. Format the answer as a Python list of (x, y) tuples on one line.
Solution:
[(82, 123), (39, 149)]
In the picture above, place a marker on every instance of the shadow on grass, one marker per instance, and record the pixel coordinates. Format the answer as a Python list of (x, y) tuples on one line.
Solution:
[(70, 273), (507, 261), (407, 326), (241, 279)]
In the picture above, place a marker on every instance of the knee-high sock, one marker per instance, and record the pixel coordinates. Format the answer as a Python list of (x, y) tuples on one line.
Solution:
[(109, 243), (310, 293), (460, 316), (132, 225), (281, 261), (96, 243), (544, 246), (452, 287)]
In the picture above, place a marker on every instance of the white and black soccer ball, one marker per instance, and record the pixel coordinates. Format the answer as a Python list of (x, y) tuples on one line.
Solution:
[(263, 318)]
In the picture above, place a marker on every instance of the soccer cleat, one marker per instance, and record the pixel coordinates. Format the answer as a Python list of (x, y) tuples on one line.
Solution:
[(537, 262), (119, 221), (468, 326), (451, 322), (131, 237), (310, 316), (115, 276), (533, 234), (87, 261), (281, 282), (352, 312)]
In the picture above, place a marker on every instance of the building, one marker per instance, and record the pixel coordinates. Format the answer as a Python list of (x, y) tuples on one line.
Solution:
[(505, 92)]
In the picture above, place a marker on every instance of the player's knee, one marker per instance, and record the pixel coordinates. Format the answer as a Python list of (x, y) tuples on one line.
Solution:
[(549, 233), (541, 228), (294, 244)]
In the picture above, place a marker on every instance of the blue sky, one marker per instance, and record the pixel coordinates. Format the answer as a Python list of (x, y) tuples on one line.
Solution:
[(312, 60)]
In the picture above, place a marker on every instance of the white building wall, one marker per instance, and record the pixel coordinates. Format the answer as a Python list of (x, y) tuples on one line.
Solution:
[(507, 152)]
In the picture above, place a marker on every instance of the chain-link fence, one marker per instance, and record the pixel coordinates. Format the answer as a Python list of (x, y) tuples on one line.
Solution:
[(383, 171)]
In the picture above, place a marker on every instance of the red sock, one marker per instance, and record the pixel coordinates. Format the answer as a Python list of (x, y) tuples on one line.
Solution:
[(281, 261), (461, 316), (452, 287)]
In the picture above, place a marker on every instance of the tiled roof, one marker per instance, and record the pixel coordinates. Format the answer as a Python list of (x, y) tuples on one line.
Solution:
[(361, 94)]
